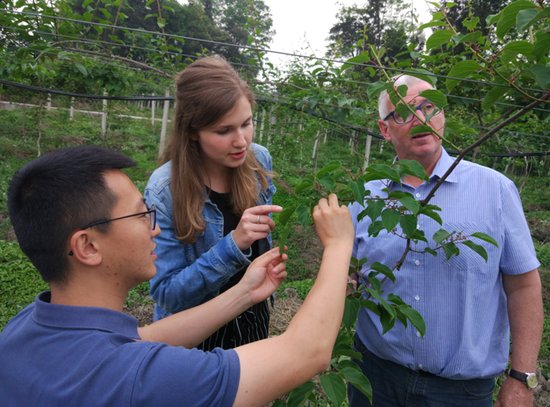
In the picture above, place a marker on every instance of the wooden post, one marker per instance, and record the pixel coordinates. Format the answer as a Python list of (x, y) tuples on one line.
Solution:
[(317, 142), (104, 116), (152, 111), (367, 152), (71, 114), (164, 123), (49, 102), (262, 124), (273, 121), (315, 145)]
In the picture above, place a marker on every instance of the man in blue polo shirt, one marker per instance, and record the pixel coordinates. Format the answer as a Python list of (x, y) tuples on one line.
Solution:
[(87, 230), (469, 305)]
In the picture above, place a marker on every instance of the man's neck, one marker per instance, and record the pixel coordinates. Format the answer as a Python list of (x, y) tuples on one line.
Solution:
[(87, 294)]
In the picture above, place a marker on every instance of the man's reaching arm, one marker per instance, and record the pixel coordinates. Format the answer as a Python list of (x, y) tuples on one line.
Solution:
[(274, 366), (190, 327)]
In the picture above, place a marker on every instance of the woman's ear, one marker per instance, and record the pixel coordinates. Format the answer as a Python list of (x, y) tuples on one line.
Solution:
[(85, 249), (194, 136)]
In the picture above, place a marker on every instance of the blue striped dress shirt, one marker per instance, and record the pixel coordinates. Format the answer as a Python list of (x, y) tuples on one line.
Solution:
[(462, 300)]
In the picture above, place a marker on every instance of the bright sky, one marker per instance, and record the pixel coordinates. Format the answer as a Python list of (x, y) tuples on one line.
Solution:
[(302, 22)]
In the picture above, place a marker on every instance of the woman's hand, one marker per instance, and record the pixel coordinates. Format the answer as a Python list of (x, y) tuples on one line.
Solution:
[(255, 224), (264, 275)]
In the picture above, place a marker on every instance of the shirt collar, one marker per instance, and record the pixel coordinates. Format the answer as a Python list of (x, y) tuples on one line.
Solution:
[(74, 317), (443, 164)]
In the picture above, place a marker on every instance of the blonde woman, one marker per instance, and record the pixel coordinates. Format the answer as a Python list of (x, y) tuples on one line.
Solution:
[(213, 200)]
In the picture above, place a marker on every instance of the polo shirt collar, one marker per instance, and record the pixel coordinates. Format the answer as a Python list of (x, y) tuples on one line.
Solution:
[(92, 318)]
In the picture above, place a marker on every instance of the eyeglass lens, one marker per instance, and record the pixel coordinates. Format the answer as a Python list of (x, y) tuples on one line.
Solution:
[(427, 109)]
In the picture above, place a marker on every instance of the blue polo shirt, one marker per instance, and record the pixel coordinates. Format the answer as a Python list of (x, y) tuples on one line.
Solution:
[(58, 355), (462, 300)]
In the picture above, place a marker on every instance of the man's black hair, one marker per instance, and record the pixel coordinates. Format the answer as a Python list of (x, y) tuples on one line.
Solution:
[(57, 194)]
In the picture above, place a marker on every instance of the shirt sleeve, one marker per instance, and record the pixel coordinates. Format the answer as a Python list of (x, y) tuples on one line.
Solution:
[(518, 252), (178, 285)]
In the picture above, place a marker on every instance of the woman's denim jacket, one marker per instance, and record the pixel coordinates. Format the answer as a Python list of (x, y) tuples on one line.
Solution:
[(191, 274)]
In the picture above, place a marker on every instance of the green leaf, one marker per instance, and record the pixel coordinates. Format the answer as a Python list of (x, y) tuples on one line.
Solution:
[(375, 228), (286, 214), (431, 24), (411, 167), (383, 171), (477, 248), (351, 309), (510, 50), (327, 181), (408, 224), (375, 88), (282, 237), (441, 235), (509, 14), (358, 189), (493, 96), (421, 129), (303, 185), (385, 270), (329, 168), (374, 208), (81, 68), (438, 38), (303, 215), (542, 43), (150, 15), (431, 251), (471, 24), (435, 96), (410, 203), (334, 388), (525, 18), (471, 37), (390, 219), (357, 379), (542, 73), (300, 394), (430, 213), (485, 237), (423, 74), (450, 249), (415, 318), (149, 2), (461, 70), (359, 59)]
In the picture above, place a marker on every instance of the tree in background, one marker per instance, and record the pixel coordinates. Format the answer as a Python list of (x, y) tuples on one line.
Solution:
[(387, 24)]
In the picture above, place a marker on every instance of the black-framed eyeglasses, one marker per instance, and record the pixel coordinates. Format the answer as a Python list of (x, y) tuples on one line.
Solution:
[(152, 212), (427, 108)]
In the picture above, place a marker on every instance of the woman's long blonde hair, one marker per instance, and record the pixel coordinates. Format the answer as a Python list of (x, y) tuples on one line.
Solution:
[(205, 91)]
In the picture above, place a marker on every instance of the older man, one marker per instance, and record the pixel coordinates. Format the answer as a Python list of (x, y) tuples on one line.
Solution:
[(469, 305)]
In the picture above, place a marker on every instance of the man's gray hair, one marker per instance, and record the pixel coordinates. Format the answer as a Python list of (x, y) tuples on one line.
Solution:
[(408, 80)]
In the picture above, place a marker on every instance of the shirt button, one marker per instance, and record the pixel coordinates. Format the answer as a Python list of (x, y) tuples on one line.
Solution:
[(418, 334), (417, 262), (416, 297), (418, 195)]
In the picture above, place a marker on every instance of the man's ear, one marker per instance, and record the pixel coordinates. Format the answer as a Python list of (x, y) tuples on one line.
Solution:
[(85, 248), (384, 129)]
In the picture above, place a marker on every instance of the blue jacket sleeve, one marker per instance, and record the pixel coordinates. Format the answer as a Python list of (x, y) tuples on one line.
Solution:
[(178, 285)]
